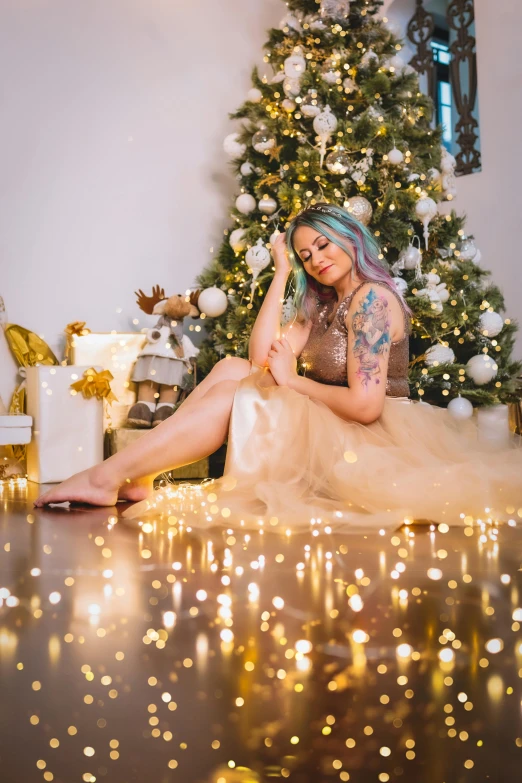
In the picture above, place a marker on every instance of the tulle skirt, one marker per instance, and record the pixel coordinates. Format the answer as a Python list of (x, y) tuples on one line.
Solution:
[(292, 464)]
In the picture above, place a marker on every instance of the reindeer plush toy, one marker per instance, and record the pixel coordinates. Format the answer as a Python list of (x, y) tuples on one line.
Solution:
[(165, 359)]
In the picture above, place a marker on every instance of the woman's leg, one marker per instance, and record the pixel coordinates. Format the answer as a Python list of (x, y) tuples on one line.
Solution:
[(231, 368), (192, 433)]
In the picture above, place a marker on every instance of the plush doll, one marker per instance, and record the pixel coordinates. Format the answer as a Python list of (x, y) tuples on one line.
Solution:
[(161, 365)]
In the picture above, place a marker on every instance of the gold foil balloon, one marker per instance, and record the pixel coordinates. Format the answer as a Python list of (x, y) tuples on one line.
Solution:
[(360, 208)]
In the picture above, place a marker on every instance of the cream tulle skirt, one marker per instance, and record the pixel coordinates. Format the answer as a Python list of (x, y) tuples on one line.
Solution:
[(293, 464)]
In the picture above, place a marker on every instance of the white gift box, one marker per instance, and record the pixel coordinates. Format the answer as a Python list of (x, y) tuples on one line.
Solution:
[(15, 429), (116, 352), (68, 428)]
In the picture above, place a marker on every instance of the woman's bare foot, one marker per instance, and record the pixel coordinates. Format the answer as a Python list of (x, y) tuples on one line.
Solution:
[(89, 486), (137, 490)]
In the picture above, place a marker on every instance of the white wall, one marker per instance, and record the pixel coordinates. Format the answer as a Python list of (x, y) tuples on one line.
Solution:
[(113, 175), (113, 172)]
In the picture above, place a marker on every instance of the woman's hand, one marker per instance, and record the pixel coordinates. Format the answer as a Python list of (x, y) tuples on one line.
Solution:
[(282, 362), (280, 255)]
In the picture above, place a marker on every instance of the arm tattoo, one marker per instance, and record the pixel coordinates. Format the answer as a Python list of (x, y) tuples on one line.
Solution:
[(371, 329)]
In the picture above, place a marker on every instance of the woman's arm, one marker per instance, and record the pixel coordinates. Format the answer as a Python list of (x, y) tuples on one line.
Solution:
[(267, 326), (348, 404), (367, 362)]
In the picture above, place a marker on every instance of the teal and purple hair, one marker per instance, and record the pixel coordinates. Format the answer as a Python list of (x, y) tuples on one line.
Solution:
[(336, 224)]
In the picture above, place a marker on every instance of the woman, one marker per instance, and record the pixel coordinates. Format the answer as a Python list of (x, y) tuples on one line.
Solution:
[(342, 446)]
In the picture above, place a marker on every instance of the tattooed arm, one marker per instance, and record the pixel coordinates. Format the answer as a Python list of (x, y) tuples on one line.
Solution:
[(367, 360), (369, 321)]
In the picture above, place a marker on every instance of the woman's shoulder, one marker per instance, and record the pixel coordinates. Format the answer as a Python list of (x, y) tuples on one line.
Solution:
[(370, 291)]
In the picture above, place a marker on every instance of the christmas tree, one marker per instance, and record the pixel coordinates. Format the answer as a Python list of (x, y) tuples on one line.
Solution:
[(339, 118)]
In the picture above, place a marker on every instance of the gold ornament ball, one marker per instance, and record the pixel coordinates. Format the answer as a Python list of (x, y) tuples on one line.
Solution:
[(360, 208)]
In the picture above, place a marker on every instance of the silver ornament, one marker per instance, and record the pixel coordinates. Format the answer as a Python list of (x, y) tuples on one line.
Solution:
[(337, 10), (338, 161), (263, 140), (360, 208), (268, 205), (311, 105), (467, 249)]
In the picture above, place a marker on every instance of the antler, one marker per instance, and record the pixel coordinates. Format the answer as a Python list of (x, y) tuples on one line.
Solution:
[(147, 303), (194, 295)]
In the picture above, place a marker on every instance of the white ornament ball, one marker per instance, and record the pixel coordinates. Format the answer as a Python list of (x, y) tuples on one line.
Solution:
[(325, 123), (395, 156), (212, 301), (233, 147), (237, 240), (258, 257), (481, 369), (426, 208), (401, 285), (460, 408), (245, 203), (288, 104), (410, 257), (491, 323), (268, 205), (441, 354), (254, 95), (246, 168)]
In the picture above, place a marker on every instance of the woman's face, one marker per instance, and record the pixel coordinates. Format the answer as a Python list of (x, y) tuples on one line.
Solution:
[(323, 260)]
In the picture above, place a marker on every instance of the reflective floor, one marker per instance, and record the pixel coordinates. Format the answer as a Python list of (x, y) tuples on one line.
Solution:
[(166, 654)]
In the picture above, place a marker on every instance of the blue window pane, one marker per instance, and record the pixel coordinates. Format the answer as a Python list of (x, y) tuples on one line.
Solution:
[(444, 57), (445, 93), (446, 121)]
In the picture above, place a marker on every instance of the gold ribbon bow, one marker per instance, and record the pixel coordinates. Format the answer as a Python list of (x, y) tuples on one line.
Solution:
[(74, 329), (96, 384)]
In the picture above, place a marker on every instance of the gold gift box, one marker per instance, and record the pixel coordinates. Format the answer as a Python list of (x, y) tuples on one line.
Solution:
[(120, 438), (114, 351)]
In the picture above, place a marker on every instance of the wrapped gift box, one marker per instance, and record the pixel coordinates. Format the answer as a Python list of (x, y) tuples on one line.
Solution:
[(118, 439), (15, 429), (68, 428), (116, 352)]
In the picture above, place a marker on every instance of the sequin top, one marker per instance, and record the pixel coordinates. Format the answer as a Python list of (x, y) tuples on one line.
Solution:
[(326, 350)]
